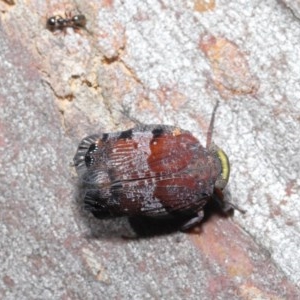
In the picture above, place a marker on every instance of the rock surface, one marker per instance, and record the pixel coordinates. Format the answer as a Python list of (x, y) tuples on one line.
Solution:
[(165, 62)]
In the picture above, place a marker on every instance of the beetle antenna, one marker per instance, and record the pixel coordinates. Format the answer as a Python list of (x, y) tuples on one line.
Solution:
[(211, 126)]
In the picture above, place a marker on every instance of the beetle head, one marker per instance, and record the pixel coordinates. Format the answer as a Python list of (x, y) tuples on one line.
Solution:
[(223, 178)]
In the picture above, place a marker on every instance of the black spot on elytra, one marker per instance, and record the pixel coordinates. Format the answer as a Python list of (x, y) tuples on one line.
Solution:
[(92, 148), (127, 134), (104, 137), (88, 160), (157, 132), (88, 157)]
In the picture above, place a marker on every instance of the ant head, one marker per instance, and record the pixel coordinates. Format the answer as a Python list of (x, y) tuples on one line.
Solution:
[(79, 20)]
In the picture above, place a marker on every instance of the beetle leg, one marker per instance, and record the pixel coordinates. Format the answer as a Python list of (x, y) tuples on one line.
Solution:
[(193, 221), (225, 206)]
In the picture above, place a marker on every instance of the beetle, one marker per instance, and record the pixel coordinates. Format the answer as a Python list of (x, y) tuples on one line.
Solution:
[(154, 171)]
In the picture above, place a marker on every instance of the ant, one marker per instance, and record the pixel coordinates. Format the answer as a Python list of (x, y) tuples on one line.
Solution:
[(59, 23)]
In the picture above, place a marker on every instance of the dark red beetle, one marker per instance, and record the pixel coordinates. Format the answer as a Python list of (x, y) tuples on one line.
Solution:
[(153, 171)]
